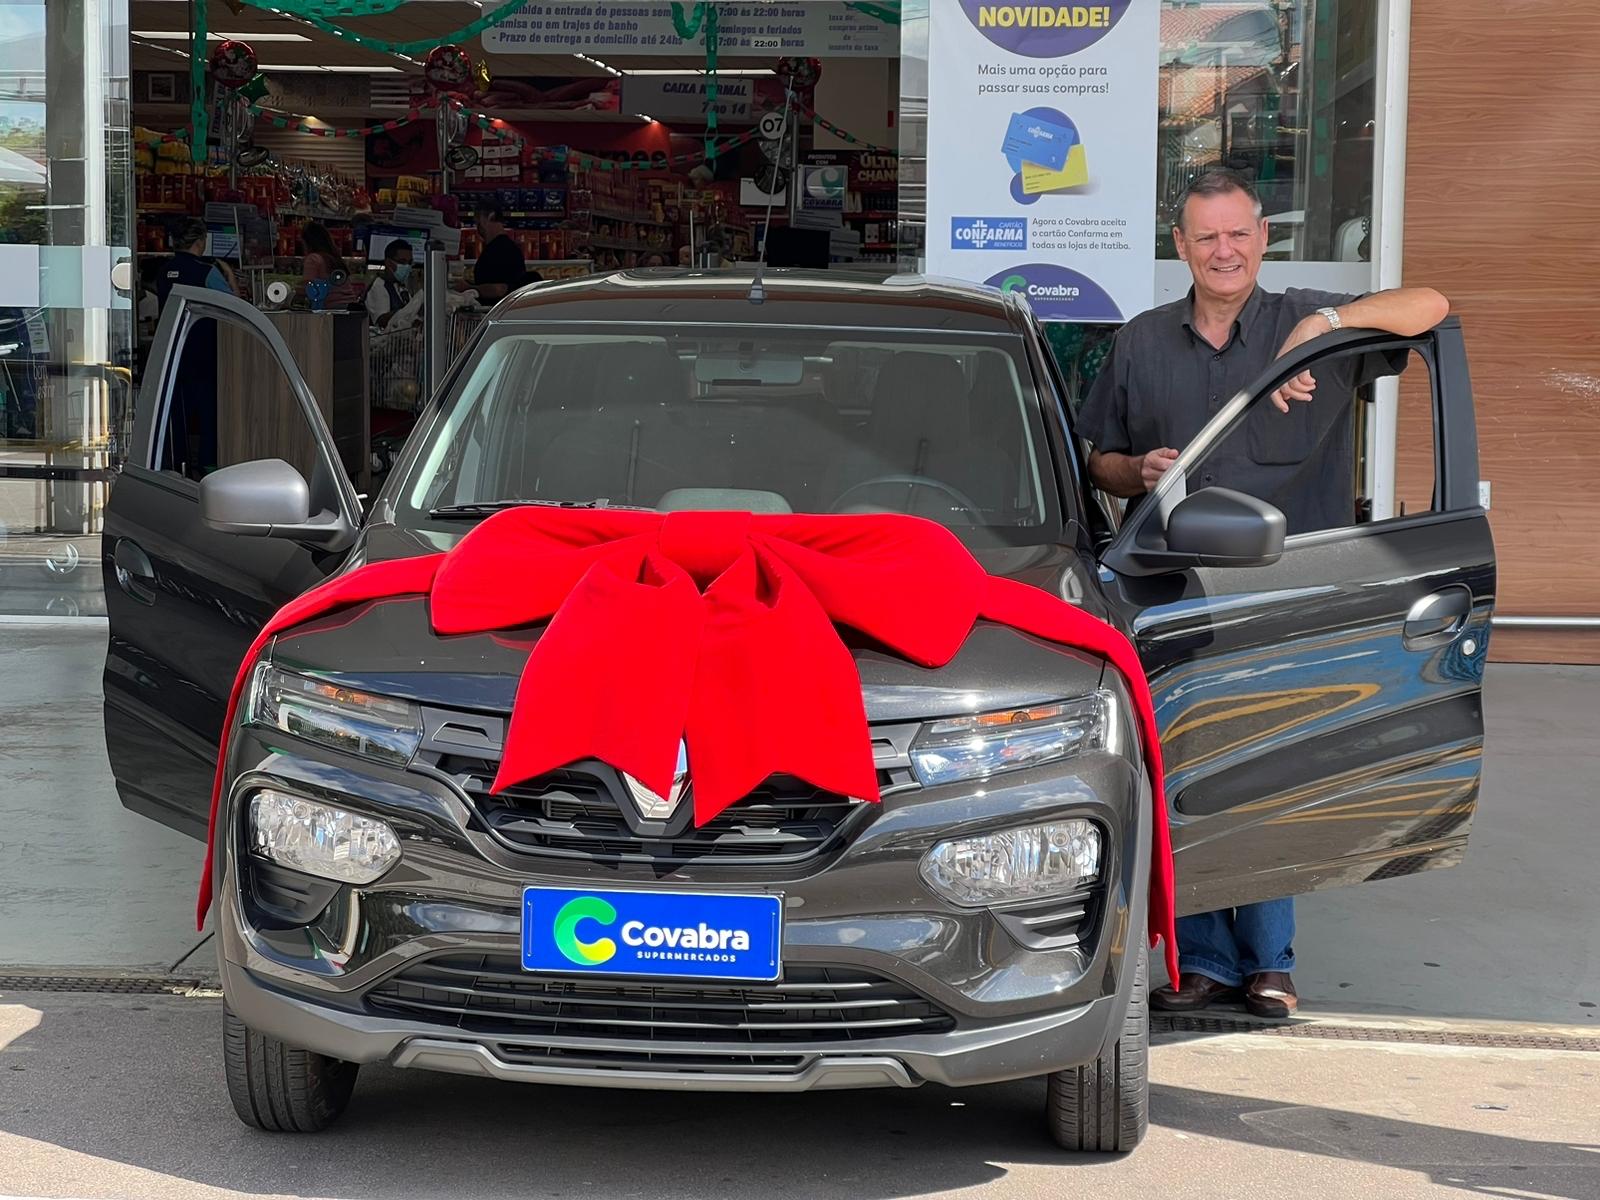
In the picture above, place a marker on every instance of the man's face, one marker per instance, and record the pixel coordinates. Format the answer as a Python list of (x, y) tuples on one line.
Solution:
[(1223, 241), (488, 227), (403, 259)]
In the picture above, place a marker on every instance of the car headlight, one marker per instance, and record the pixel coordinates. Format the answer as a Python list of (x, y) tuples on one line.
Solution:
[(318, 839), (377, 727), (979, 746), (1015, 864)]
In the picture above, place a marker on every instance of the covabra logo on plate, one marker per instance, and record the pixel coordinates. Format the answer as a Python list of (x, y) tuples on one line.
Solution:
[(1057, 293), (651, 933), (1044, 30), (988, 233)]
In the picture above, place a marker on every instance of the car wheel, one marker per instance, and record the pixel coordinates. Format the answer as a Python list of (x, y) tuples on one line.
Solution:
[(1104, 1106), (279, 1087)]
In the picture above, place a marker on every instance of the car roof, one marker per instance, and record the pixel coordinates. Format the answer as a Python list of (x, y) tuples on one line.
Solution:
[(849, 297)]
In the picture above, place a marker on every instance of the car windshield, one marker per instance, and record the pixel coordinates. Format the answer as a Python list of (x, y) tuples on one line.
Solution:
[(762, 419)]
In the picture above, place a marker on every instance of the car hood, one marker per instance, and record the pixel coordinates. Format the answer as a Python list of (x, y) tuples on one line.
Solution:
[(387, 647)]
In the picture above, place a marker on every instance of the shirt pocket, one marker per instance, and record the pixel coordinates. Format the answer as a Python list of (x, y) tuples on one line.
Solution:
[(1274, 438)]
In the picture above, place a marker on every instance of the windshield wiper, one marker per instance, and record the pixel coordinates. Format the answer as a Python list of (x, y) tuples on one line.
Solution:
[(468, 511)]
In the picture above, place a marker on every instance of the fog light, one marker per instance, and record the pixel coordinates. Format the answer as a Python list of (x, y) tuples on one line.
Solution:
[(318, 839), (1014, 864)]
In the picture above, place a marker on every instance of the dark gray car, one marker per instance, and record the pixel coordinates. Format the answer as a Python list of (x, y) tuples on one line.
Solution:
[(1319, 700)]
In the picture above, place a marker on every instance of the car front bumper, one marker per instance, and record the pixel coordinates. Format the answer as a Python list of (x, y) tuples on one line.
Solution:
[(1010, 1005)]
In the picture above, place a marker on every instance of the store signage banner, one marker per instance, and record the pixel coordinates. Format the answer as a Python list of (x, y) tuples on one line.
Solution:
[(828, 30), (685, 97), (1042, 152)]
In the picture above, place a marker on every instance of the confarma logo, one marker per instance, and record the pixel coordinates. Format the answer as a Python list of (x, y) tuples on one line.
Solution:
[(988, 233)]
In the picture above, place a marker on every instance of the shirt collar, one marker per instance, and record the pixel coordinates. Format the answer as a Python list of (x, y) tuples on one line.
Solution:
[(1241, 323)]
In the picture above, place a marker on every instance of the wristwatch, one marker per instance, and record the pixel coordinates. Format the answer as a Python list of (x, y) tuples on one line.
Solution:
[(1332, 315)]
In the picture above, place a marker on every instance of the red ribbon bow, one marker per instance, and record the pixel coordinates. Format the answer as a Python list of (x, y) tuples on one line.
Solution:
[(717, 628)]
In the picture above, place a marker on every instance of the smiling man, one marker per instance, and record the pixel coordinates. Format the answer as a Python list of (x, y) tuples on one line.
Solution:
[(1170, 370)]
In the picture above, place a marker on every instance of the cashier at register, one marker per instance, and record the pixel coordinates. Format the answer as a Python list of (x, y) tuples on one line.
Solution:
[(388, 293)]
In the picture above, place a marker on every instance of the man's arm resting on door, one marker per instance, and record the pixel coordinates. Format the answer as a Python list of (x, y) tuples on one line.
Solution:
[(1128, 475)]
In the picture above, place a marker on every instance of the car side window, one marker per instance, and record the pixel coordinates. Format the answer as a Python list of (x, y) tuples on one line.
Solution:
[(1313, 463), (228, 400)]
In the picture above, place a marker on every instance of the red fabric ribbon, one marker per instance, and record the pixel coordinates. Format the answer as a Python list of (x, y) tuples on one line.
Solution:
[(725, 623)]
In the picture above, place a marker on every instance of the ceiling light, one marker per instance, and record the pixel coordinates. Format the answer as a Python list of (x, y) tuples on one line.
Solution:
[(179, 35)]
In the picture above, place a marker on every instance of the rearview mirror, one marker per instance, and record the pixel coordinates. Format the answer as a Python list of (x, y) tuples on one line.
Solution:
[(269, 498), (1225, 528)]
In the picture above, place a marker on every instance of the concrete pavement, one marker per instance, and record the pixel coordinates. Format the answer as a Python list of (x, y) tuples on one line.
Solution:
[(105, 1096)]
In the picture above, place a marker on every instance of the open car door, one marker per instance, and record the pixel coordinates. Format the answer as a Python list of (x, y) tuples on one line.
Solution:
[(1319, 697), (184, 600)]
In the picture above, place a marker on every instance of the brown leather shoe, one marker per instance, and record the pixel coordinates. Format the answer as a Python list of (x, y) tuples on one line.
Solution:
[(1193, 992), (1270, 994)]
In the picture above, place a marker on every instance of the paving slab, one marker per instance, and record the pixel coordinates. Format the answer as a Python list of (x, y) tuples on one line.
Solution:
[(121, 1096)]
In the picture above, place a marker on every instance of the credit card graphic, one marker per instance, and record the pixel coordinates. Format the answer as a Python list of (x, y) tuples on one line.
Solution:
[(1036, 140), (1074, 173)]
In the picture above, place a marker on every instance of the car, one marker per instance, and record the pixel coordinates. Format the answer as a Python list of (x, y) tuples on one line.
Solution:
[(1319, 697)]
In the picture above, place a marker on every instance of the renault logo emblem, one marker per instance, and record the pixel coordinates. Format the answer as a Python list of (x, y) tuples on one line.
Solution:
[(653, 807)]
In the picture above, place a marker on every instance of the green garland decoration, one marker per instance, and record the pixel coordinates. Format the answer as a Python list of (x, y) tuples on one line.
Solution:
[(822, 122), (329, 9), (687, 26), (711, 81), (501, 129), (199, 109), (420, 46)]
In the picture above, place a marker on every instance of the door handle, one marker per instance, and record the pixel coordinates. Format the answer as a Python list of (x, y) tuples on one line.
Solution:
[(1437, 617), (134, 573)]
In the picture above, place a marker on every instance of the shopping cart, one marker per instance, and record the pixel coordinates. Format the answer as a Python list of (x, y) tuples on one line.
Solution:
[(397, 380)]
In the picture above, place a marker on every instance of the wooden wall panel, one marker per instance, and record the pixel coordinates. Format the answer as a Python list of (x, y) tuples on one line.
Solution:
[(1502, 201)]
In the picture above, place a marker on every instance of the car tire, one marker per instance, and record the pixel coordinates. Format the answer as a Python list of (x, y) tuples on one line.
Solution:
[(278, 1087), (1104, 1106)]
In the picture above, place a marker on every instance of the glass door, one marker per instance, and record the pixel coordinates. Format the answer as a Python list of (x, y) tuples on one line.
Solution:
[(66, 330)]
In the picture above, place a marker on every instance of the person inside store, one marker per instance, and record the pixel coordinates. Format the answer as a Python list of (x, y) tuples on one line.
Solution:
[(500, 268), (191, 443), (1169, 371), (388, 293), (322, 261)]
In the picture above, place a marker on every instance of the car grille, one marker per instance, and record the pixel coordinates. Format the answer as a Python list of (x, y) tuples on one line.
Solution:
[(578, 813), (491, 995)]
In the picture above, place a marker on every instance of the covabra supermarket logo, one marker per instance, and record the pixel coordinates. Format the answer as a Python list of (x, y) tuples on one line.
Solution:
[(642, 937), (1044, 30), (1058, 293), (988, 233)]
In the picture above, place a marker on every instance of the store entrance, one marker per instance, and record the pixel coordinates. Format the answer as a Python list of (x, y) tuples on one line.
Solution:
[(349, 162)]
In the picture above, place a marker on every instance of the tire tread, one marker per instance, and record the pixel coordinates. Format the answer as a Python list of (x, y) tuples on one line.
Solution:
[(281, 1088), (1104, 1106)]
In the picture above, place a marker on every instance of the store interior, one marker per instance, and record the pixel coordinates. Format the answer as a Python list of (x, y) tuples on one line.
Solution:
[(390, 128)]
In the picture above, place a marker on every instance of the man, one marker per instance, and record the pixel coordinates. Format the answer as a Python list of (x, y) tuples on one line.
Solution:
[(500, 269), (188, 265), (191, 443), (1170, 370), (388, 293)]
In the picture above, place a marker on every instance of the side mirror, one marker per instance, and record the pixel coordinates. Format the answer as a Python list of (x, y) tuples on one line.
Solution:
[(1224, 528), (269, 498)]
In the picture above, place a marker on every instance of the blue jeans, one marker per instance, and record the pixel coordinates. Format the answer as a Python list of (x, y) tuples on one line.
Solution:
[(1234, 943)]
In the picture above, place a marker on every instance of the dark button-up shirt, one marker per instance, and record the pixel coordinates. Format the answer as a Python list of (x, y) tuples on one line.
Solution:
[(1163, 382)]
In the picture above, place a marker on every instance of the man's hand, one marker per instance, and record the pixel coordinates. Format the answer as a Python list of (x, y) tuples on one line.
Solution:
[(1304, 385), (1154, 465)]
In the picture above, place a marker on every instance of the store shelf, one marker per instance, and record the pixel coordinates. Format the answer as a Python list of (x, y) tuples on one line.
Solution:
[(599, 214), (598, 243)]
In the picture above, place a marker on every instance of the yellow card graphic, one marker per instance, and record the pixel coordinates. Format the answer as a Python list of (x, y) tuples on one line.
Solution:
[(1037, 179)]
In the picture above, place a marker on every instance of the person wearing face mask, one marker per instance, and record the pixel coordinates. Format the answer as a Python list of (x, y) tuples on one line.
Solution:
[(389, 293)]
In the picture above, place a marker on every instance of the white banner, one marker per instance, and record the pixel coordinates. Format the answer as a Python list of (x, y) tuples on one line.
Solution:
[(825, 30), (684, 98), (1042, 152)]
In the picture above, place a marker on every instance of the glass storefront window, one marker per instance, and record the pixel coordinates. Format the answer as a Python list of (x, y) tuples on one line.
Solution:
[(1283, 91), (66, 334)]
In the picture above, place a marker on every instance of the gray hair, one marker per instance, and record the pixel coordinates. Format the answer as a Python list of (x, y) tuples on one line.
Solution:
[(1217, 181)]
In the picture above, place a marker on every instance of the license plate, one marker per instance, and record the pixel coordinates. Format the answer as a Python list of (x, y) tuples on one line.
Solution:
[(698, 935)]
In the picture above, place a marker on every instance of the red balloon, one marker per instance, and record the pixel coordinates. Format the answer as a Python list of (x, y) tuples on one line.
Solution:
[(447, 69), (233, 63)]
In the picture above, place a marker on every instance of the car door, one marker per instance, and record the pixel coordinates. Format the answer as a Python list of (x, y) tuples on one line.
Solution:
[(183, 600), (1321, 714)]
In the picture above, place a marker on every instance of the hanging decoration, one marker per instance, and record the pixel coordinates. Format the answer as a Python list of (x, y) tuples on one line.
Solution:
[(199, 109), (302, 9), (328, 9), (448, 70), (711, 81), (822, 122), (801, 73), (497, 128), (233, 64)]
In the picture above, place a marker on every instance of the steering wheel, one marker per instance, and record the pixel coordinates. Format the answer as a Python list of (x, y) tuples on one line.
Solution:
[(965, 502)]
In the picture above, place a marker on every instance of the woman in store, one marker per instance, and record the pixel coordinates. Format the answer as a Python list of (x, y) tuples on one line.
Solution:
[(322, 261)]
